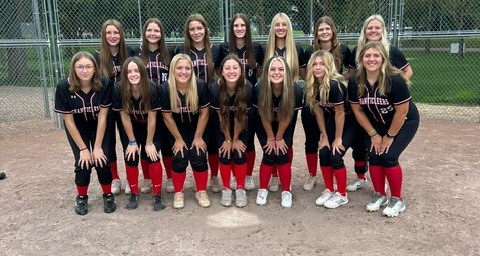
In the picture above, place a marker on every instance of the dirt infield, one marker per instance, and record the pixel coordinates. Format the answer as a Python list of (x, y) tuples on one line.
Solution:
[(441, 190)]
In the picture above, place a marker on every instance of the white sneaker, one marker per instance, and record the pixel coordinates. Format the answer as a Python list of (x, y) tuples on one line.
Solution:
[(286, 199), (249, 184), (215, 184), (273, 186), (326, 194), (358, 184), (116, 185), (310, 183), (262, 195), (203, 199), (226, 199), (146, 186), (169, 185), (178, 201), (128, 191), (395, 207), (335, 201), (377, 202), (240, 198), (233, 183)]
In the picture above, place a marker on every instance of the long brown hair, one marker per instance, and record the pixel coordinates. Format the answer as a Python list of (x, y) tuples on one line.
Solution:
[(232, 47), (335, 49), (206, 40), (162, 46), (240, 102), (105, 56), (146, 98), (287, 100), (74, 83)]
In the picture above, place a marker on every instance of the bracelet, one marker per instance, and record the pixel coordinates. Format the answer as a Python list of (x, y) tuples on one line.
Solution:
[(82, 149), (277, 139), (228, 141), (271, 139), (372, 133), (390, 136), (132, 142)]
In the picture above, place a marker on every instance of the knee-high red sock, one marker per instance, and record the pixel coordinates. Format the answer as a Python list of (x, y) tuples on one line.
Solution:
[(395, 178), (155, 170), (82, 190), (341, 177), (285, 175), (178, 180), (360, 166), (265, 173), (201, 179), (167, 163), (312, 162), (327, 174), (132, 177), (240, 173), (145, 166), (377, 174), (225, 171), (114, 170), (107, 189), (213, 161), (250, 162)]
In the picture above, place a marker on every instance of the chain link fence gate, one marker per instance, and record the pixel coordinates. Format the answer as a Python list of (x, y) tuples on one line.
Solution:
[(441, 40)]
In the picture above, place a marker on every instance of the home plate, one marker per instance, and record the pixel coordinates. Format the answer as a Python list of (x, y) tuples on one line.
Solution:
[(232, 218)]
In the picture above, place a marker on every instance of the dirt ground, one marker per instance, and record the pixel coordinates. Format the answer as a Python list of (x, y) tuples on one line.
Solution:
[(441, 190)]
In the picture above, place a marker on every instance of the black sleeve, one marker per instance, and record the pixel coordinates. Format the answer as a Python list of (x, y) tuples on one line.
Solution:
[(155, 97), (106, 93), (214, 90), (346, 56), (165, 97), (301, 56), (250, 94), (352, 90), (217, 61), (397, 58), (298, 96), (336, 95), (308, 52), (259, 54), (353, 63), (61, 98), (399, 90), (117, 98), (203, 94)]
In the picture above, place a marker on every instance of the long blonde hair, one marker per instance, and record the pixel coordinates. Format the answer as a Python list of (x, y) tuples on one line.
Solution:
[(291, 51), (265, 99), (362, 40), (105, 56), (191, 93), (315, 87), (386, 70)]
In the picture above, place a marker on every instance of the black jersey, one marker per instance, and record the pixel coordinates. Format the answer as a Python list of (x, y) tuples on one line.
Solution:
[(250, 72), (139, 113), (397, 58), (84, 106), (215, 98), (199, 61), (185, 114), (336, 96), (345, 53), (156, 69), (298, 94), (380, 109), (302, 61)]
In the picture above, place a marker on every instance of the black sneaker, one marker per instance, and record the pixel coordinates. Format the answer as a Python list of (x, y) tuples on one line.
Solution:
[(133, 202), (82, 205), (109, 204), (157, 203), (2, 175)]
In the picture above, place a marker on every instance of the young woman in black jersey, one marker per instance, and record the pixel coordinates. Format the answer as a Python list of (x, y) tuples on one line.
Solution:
[(278, 99), (156, 57), (138, 101), (251, 55), (84, 99), (231, 97), (110, 57), (281, 43), (326, 39), (205, 58), (380, 98), (185, 109)]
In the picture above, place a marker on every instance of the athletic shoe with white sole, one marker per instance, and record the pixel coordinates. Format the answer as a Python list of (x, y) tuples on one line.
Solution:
[(286, 199), (377, 202), (178, 201), (274, 184), (326, 194), (215, 184), (395, 207), (203, 199), (240, 198), (132, 202), (233, 183), (116, 186), (310, 183), (336, 200), (262, 195), (249, 184), (358, 184), (226, 199)]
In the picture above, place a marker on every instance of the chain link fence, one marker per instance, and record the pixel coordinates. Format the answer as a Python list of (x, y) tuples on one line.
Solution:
[(441, 40)]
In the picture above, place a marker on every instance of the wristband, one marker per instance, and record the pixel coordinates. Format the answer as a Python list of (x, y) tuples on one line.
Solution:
[(390, 136), (271, 139), (372, 133), (132, 142), (82, 149)]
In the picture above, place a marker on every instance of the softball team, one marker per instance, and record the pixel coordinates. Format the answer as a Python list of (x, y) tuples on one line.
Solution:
[(211, 105)]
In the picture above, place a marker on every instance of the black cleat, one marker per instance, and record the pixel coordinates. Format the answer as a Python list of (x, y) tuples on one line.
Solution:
[(157, 203), (133, 202), (2, 175), (82, 205), (109, 204)]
